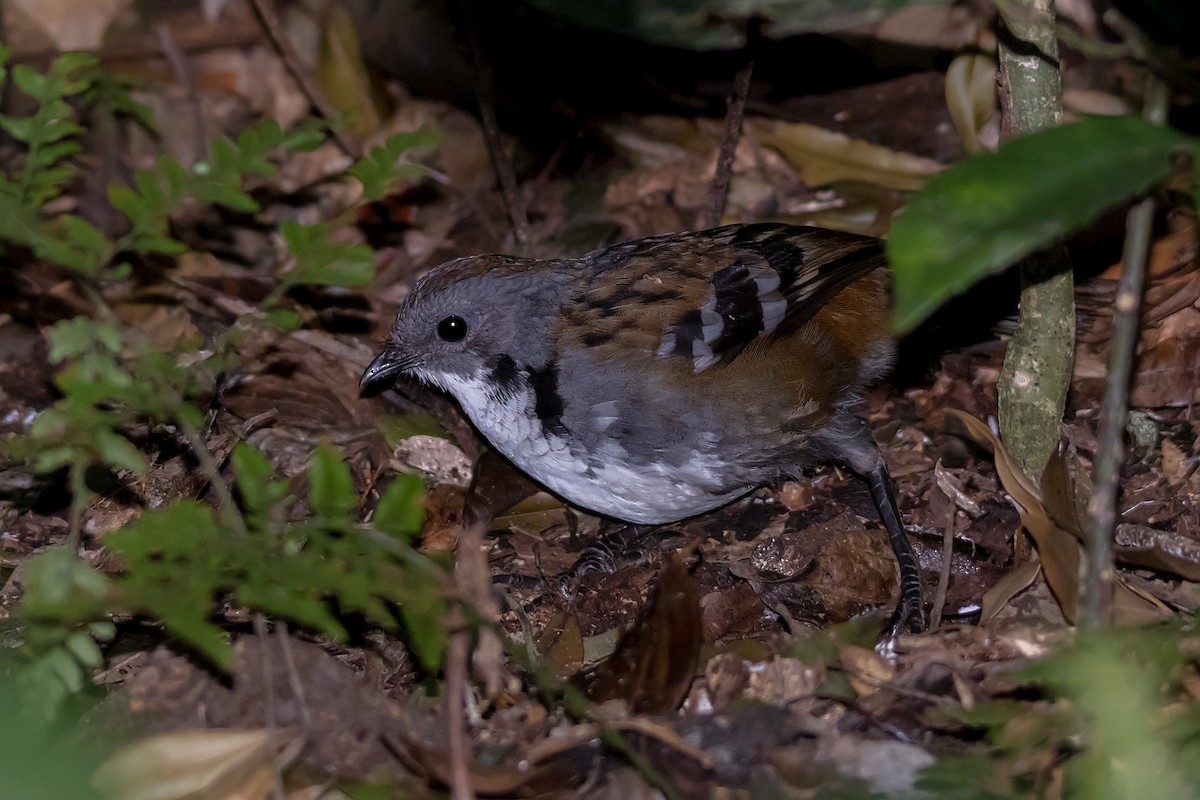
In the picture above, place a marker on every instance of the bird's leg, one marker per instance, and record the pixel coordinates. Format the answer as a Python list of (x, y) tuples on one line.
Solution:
[(849, 440), (910, 610)]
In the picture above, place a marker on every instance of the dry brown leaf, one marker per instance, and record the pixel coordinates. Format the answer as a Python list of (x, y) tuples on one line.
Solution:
[(865, 669), (432, 763), (537, 513), (561, 645), (654, 663), (342, 73), (1161, 551), (1174, 463), (221, 764), (1011, 584), (823, 156), (1059, 550)]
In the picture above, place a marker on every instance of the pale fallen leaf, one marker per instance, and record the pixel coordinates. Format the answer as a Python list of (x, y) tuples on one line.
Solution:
[(1175, 466), (971, 90), (865, 669), (72, 24), (823, 156), (1162, 551), (219, 764)]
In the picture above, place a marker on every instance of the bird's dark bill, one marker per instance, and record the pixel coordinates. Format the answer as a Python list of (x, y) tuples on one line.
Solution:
[(383, 372)]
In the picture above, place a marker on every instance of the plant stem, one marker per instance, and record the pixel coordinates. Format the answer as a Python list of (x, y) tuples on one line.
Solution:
[(1095, 608), (719, 191), (1037, 366), (208, 465)]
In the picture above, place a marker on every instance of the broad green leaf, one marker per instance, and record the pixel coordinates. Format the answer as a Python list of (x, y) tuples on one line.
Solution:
[(424, 612), (84, 650), (174, 555), (177, 529), (988, 212)]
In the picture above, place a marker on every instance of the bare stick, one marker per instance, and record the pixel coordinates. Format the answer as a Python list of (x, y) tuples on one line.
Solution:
[(717, 195), (271, 721), (316, 98), (457, 653), (943, 584), (501, 163), (1096, 608)]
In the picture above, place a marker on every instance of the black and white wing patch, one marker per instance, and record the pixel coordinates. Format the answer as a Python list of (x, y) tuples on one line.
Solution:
[(745, 302), (780, 276)]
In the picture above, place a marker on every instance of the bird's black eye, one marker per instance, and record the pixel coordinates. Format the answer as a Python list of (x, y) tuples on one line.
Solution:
[(452, 329)]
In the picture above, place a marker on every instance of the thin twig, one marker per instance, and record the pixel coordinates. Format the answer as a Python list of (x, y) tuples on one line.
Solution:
[(457, 653), (273, 27), (269, 710), (293, 674), (501, 163), (943, 584), (1095, 610), (184, 76), (719, 191), (213, 472)]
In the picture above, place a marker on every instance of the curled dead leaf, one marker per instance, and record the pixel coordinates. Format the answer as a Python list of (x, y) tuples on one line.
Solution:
[(1050, 517), (655, 661)]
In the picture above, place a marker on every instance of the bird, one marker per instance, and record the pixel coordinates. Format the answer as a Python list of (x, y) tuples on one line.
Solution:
[(661, 378)]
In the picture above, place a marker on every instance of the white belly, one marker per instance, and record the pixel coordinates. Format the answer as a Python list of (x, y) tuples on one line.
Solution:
[(602, 481)]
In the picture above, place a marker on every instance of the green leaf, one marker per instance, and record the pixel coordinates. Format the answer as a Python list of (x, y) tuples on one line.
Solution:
[(115, 450), (284, 320), (174, 559), (424, 612), (331, 490), (83, 648), (398, 427), (379, 170), (401, 508), (321, 260), (80, 335), (255, 477), (988, 212), (60, 585)]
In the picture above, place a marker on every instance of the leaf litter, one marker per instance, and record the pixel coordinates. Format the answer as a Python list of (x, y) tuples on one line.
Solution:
[(766, 640)]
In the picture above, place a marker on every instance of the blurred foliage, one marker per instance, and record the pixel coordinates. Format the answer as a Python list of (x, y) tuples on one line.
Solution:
[(987, 212), (1115, 720), (306, 559), (41, 760)]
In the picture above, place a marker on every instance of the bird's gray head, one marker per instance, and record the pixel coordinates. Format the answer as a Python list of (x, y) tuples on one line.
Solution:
[(465, 316)]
